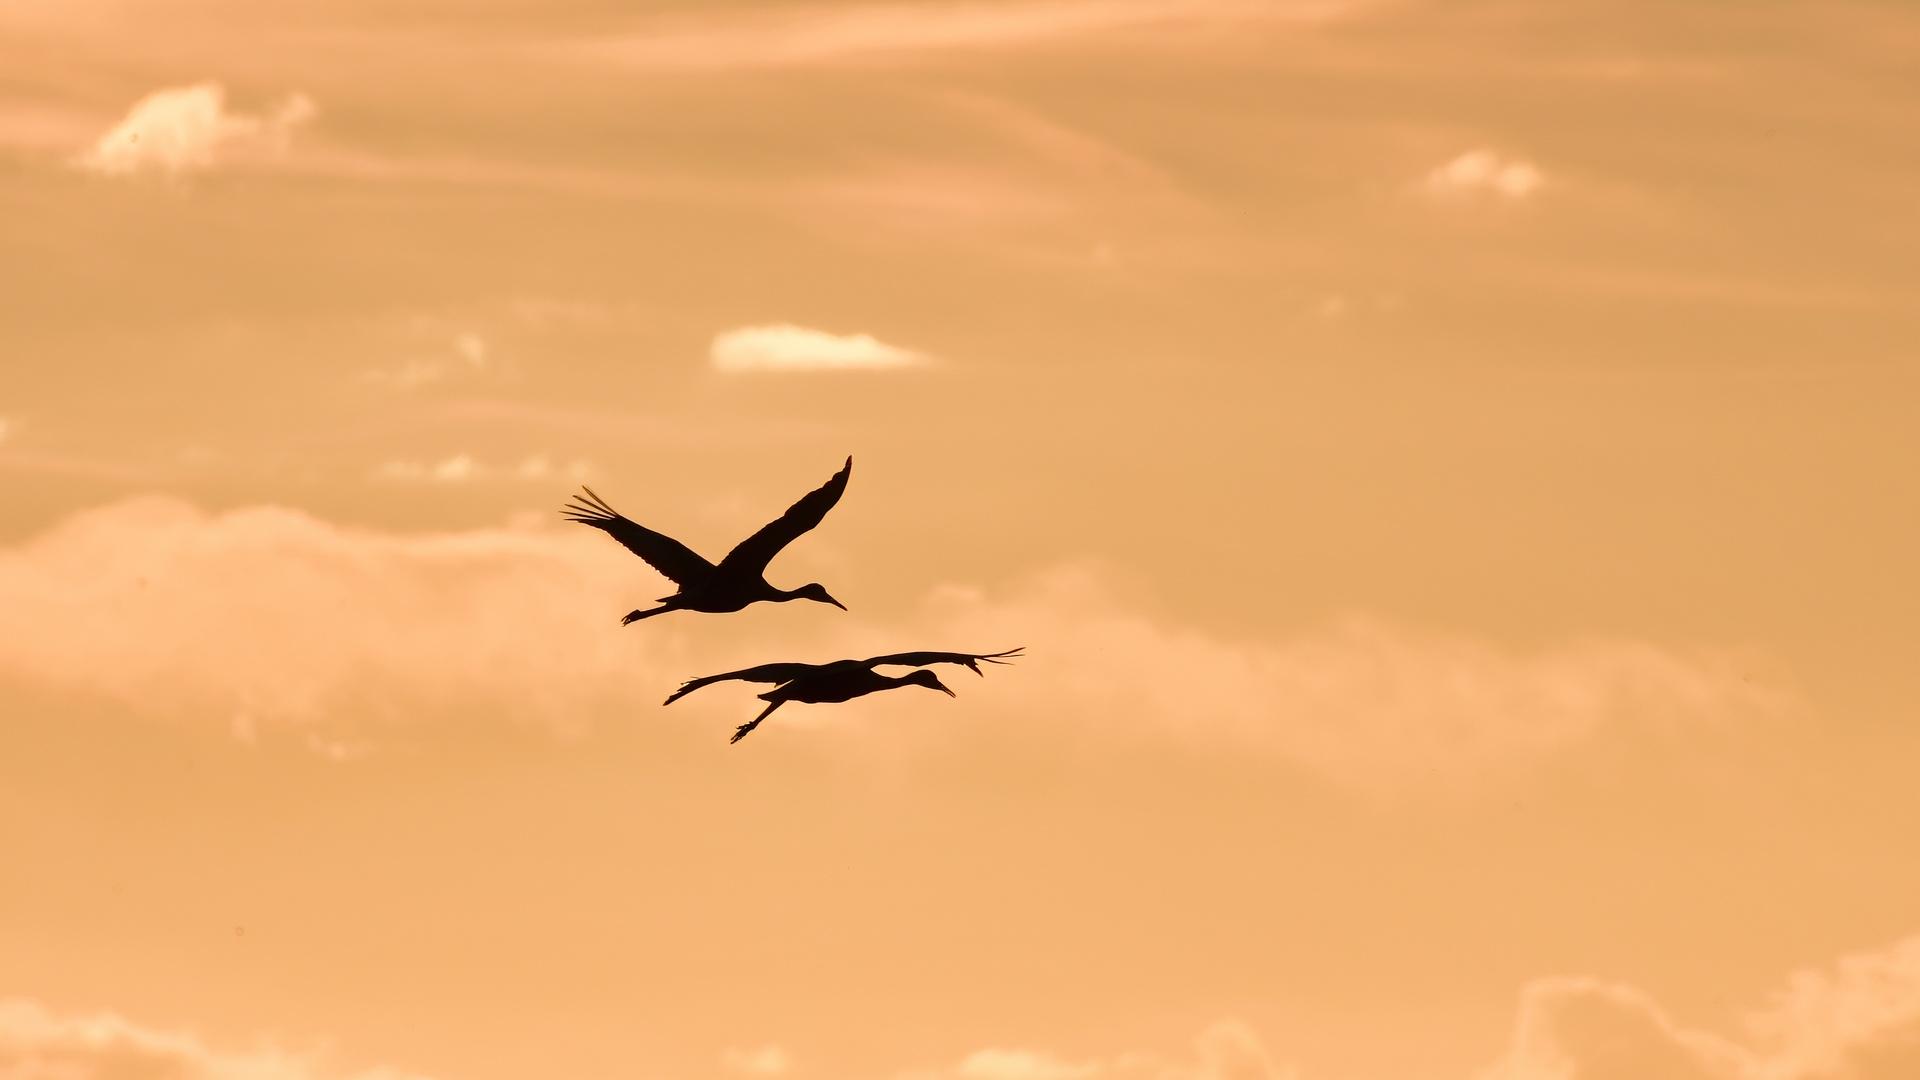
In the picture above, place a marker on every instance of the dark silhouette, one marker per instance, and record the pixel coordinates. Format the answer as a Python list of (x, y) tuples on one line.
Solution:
[(842, 680), (738, 580)]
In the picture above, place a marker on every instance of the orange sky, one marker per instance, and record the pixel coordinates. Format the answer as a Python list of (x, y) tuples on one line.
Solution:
[(1451, 465)]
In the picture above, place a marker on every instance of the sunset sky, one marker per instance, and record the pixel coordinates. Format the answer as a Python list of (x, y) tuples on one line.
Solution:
[(1451, 464)]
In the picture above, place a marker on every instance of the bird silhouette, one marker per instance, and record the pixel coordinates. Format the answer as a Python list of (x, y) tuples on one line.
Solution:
[(842, 680), (739, 578)]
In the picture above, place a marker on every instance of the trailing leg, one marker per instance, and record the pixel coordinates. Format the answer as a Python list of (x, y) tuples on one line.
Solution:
[(755, 722)]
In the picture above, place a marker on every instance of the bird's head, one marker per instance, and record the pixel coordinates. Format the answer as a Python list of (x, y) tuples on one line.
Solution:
[(923, 677), (817, 592)]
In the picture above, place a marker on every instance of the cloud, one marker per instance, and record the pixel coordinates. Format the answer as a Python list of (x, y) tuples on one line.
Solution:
[(785, 347), (1574, 1027), (35, 1043), (1857, 1019), (1860, 1020), (766, 1061), (1364, 701), (471, 356), (453, 470), (1227, 1050), (1485, 172), (461, 468), (827, 34), (266, 615), (186, 129), (992, 1064)]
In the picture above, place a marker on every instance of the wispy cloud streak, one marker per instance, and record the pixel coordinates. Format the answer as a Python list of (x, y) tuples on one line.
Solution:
[(830, 34)]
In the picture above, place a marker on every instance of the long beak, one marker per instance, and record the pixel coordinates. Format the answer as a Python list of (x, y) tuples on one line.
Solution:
[(942, 687), (836, 603)]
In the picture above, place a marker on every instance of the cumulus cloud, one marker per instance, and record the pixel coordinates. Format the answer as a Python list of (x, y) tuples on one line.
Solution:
[(1858, 1020), (268, 616), (186, 129), (1479, 172), (1227, 1050), (766, 1061), (38, 1044), (276, 616), (785, 347)]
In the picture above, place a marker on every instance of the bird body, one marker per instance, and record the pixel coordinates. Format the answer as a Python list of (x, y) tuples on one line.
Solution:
[(842, 680), (737, 580)]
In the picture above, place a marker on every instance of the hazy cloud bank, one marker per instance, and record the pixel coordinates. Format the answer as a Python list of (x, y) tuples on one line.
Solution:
[(1227, 1050), (1364, 701), (1855, 1019), (37, 1044), (1858, 1019), (269, 616)]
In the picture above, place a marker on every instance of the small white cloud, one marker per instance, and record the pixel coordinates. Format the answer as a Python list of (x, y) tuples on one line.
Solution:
[(785, 347), (1484, 171), (187, 129), (766, 1061), (472, 348), (457, 468)]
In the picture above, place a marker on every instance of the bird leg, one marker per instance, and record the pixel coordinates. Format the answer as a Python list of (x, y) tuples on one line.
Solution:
[(755, 722), (636, 615)]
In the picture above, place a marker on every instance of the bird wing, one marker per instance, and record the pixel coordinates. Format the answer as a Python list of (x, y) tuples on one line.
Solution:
[(771, 673), (754, 553), (680, 563), (922, 659)]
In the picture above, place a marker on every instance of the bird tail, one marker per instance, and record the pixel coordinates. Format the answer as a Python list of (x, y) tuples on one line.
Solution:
[(741, 732), (591, 510)]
